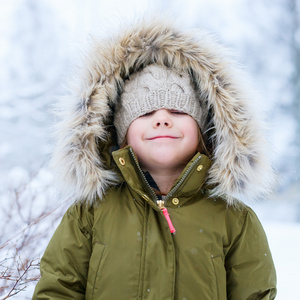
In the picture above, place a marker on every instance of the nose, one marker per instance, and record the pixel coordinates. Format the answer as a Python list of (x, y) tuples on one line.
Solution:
[(162, 119)]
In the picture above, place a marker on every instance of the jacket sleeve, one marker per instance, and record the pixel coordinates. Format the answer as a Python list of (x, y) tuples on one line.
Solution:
[(65, 262), (249, 265)]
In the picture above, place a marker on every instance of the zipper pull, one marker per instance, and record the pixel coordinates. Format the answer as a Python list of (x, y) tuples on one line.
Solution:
[(160, 204)]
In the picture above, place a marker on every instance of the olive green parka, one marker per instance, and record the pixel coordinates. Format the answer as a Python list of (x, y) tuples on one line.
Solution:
[(114, 242)]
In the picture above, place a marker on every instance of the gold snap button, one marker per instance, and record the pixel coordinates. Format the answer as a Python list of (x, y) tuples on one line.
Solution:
[(199, 168), (122, 161), (175, 201)]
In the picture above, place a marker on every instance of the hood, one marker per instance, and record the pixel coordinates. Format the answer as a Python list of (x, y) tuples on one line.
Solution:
[(232, 133)]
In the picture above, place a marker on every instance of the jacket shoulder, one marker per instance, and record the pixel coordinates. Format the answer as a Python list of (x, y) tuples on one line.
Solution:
[(239, 215), (83, 215)]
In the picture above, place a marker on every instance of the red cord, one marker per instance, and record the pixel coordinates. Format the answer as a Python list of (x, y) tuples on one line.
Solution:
[(166, 214)]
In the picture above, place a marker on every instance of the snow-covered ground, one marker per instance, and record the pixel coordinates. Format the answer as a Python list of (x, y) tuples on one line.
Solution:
[(284, 241)]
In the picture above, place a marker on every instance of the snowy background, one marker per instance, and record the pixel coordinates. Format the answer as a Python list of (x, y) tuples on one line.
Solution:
[(39, 43)]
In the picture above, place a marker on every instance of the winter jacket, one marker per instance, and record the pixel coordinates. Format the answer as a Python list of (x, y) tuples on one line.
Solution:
[(123, 248), (114, 242)]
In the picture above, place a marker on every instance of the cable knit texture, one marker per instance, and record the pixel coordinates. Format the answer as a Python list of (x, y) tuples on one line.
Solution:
[(153, 88)]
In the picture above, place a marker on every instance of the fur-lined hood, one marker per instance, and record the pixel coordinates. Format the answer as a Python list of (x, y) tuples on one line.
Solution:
[(82, 158)]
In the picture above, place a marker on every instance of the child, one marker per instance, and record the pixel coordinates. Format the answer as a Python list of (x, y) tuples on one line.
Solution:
[(156, 218)]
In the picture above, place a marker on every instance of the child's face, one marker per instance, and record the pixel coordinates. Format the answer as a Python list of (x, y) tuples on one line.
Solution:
[(164, 139)]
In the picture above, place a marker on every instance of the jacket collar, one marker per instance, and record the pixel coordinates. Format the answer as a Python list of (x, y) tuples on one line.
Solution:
[(186, 186)]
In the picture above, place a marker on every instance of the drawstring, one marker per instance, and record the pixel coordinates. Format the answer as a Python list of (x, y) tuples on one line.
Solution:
[(160, 204), (166, 214)]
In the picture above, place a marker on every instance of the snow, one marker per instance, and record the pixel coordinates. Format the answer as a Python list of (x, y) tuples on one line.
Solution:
[(284, 242), (39, 42)]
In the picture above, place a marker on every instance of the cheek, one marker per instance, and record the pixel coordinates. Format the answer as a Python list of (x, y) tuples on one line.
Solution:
[(134, 134), (130, 137), (194, 140), (192, 131)]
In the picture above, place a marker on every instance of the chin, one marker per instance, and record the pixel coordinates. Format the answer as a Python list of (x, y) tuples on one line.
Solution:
[(166, 159)]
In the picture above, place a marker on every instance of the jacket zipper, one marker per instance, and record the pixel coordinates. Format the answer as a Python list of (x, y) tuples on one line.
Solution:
[(160, 203), (155, 198), (176, 187)]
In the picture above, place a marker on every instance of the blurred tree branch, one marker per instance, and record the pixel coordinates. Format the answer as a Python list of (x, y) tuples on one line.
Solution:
[(26, 227)]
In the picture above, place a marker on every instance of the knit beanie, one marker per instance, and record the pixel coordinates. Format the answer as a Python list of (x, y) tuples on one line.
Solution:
[(151, 89)]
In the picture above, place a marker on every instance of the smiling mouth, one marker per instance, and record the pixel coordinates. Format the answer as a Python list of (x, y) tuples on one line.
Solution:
[(163, 137)]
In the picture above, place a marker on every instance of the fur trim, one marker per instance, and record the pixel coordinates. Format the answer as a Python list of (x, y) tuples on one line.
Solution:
[(229, 124)]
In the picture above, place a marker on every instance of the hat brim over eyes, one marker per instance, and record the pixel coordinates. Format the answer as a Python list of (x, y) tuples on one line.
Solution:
[(229, 125), (153, 88)]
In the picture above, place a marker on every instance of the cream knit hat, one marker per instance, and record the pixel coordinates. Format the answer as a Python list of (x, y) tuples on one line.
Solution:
[(153, 88)]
